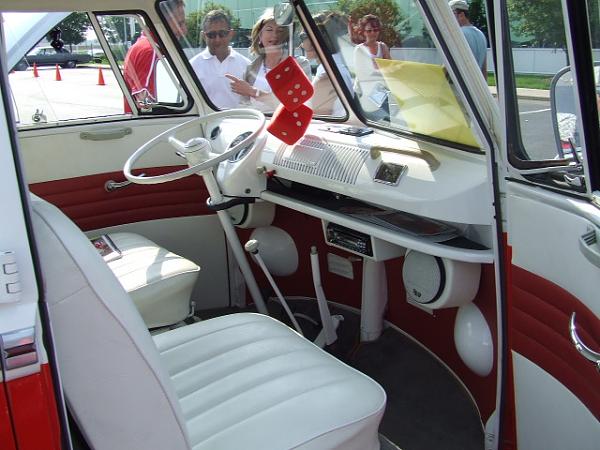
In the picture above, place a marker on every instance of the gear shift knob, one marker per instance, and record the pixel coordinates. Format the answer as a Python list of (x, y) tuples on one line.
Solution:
[(251, 246)]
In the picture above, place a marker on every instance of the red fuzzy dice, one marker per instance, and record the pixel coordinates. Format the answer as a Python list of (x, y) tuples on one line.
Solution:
[(290, 126), (290, 84)]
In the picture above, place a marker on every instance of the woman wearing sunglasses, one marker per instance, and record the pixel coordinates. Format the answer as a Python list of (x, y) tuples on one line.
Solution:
[(270, 47), (370, 27), (370, 86)]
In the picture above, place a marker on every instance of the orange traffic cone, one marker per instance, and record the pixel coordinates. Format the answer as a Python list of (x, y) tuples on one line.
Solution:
[(58, 77), (100, 77), (35, 71)]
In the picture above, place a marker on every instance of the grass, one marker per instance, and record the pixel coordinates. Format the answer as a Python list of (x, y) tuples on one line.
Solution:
[(526, 81), (523, 81)]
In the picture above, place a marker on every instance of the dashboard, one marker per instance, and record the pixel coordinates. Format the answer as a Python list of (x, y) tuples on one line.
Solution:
[(412, 194), (391, 172)]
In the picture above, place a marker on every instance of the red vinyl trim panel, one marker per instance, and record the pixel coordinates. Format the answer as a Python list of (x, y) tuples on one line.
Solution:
[(539, 330), (34, 413), (7, 441), (90, 206)]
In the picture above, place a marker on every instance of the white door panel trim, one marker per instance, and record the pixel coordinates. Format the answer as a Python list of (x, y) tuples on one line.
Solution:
[(21, 314), (568, 204), (543, 402), (44, 151), (536, 218)]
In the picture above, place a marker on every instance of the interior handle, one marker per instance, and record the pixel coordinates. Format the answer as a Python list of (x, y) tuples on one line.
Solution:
[(105, 135), (588, 244), (587, 352)]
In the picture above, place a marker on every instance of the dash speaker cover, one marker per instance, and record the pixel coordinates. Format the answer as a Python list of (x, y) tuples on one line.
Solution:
[(439, 282), (424, 277)]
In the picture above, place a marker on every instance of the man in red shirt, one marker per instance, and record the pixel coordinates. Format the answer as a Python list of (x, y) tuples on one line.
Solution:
[(139, 69)]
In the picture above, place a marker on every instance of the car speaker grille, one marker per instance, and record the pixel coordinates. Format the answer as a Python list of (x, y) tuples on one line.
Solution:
[(314, 156)]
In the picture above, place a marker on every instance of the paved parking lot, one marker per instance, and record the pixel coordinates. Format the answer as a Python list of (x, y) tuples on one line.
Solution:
[(77, 95)]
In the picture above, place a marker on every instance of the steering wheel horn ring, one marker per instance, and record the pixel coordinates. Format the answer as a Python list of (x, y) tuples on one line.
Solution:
[(197, 150)]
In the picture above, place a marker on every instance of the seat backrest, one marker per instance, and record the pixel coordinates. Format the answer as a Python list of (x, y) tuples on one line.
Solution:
[(115, 386)]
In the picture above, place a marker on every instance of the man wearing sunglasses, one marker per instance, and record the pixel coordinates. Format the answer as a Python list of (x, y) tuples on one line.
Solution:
[(218, 60)]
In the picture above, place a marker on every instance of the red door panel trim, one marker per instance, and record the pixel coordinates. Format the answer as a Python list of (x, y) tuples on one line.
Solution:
[(7, 441), (90, 206), (34, 412), (540, 313)]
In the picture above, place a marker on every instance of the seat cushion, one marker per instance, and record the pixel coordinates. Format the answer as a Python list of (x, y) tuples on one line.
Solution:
[(247, 381), (159, 281)]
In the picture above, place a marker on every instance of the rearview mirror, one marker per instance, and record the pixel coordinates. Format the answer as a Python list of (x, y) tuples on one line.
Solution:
[(564, 111)]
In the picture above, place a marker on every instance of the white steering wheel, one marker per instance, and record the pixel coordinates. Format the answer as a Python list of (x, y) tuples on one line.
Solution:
[(197, 151)]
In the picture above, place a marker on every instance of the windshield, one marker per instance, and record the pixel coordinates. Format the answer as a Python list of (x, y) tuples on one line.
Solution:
[(385, 66)]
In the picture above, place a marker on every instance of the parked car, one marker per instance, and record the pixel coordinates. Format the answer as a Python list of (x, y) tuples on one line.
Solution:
[(48, 56)]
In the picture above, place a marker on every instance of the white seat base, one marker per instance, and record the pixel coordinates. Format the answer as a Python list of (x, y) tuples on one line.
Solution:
[(159, 281), (247, 381)]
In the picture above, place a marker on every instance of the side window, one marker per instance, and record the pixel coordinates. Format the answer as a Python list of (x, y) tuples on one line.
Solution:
[(538, 55), (69, 76), (547, 131), (147, 75)]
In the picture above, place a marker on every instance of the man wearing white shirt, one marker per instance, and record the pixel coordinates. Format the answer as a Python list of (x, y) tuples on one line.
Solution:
[(218, 59)]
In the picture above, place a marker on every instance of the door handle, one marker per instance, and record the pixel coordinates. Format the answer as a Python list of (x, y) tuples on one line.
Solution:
[(588, 244), (588, 353), (106, 134)]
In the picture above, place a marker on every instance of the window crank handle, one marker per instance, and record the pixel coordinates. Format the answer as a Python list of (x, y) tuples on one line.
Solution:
[(112, 185)]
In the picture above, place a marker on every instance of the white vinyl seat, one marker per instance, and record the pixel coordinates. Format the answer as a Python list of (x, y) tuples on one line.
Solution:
[(159, 282), (238, 382)]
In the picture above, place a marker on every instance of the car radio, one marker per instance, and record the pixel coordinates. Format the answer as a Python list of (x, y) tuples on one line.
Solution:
[(348, 239)]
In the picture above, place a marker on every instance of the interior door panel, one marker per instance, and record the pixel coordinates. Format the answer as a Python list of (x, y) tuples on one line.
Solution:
[(173, 214), (63, 152), (556, 421), (86, 201), (540, 332), (550, 278)]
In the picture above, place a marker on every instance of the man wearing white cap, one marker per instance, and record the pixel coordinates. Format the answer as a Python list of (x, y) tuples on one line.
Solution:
[(474, 36)]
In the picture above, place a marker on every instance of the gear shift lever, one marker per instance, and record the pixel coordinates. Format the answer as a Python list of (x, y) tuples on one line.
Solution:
[(328, 334), (252, 248)]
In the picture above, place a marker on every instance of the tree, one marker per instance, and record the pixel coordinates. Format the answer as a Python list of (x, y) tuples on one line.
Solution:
[(194, 22), (120, 32), (478, 16), (392, 21), (594, 15), (541, 21), (73, 29)]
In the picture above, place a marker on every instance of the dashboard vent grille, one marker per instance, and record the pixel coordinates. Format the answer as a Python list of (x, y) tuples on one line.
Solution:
[(314, 156)]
